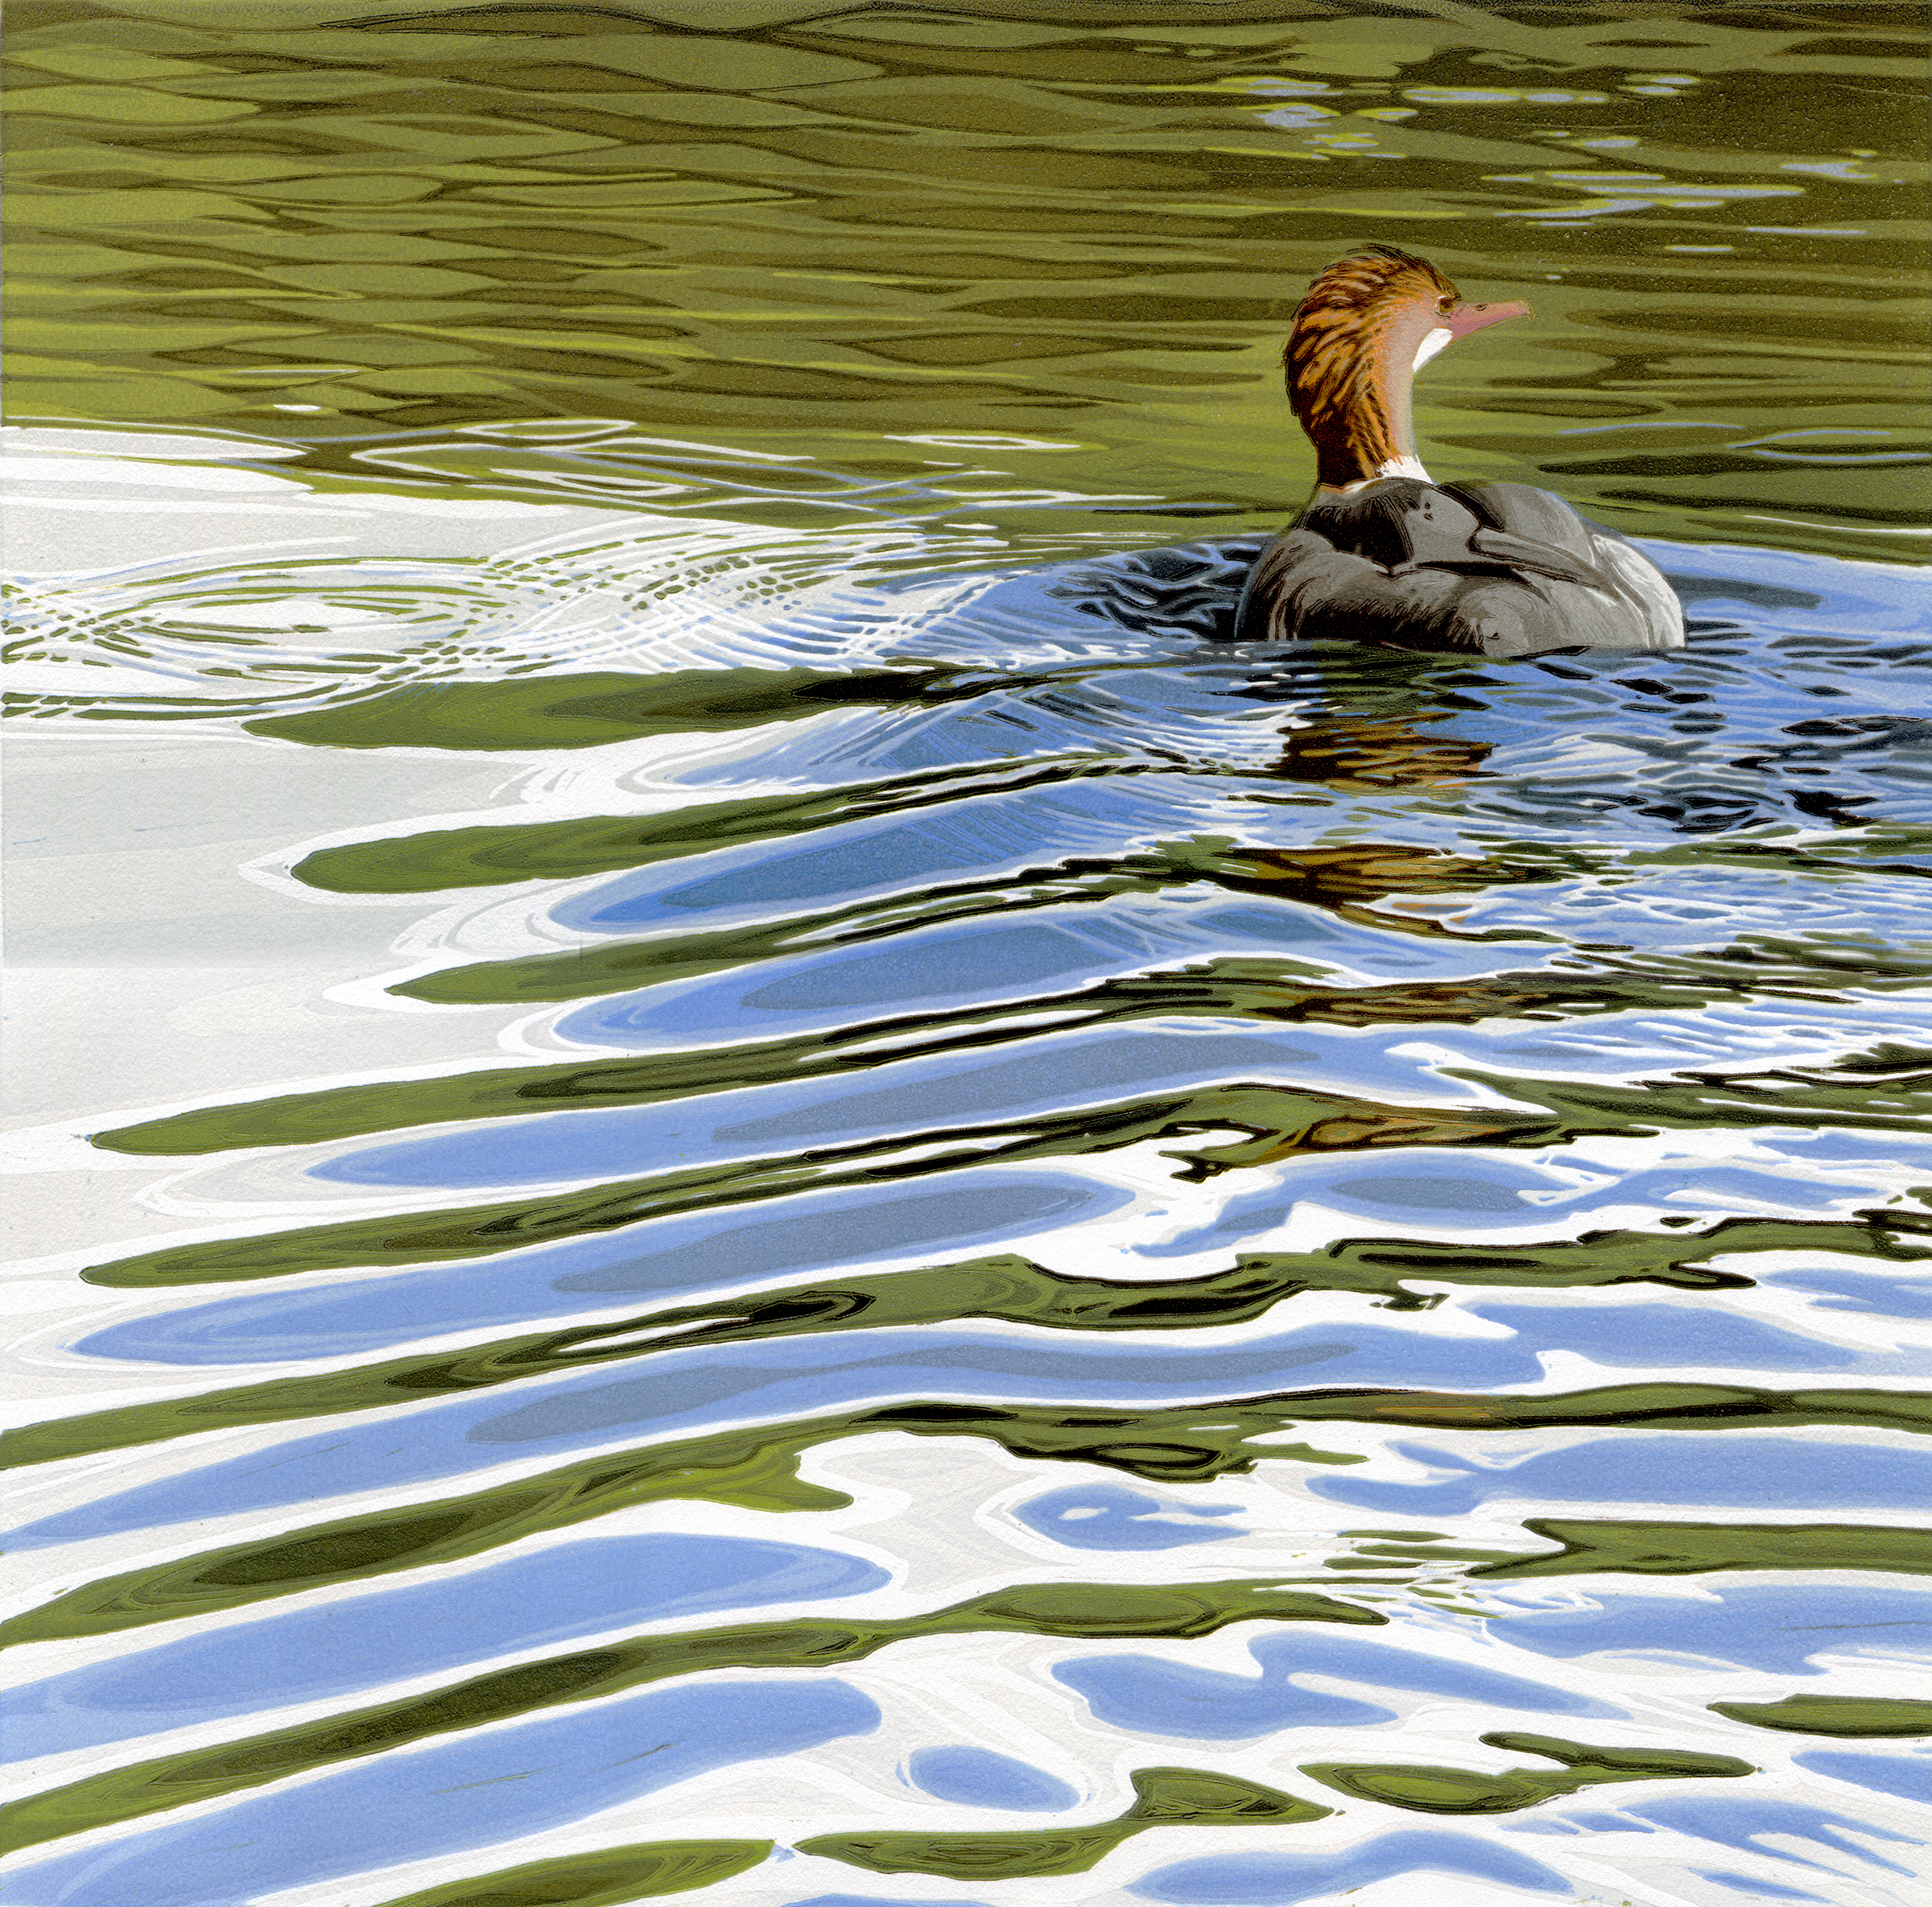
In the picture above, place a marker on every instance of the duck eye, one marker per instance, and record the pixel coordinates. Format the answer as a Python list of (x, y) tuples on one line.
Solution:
[(1445, 304)]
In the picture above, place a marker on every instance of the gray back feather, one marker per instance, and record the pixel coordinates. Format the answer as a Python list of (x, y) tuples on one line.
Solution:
[(1489, 569)]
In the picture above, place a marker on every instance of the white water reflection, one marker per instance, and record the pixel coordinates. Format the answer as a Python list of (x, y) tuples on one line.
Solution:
[(1733, 839)]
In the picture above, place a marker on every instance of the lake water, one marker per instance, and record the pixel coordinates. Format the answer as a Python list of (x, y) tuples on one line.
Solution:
[(734, 1173)]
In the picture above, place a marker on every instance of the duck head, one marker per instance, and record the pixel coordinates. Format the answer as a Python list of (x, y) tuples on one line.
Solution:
[(1368, 324)]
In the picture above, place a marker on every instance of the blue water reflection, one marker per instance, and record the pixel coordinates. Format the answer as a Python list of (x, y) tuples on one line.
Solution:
[(1739, 1471), (1154, 1695), (471, 1791), (1908, 1776), (1271, 1879), (1747, 1822), (660, 1259), (575, 1589), (688, 1390), (978, 1778), (1109, 1516), (1542, 889), (1778, 1627)]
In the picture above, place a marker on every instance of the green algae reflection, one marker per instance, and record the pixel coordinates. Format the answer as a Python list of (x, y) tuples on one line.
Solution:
[(758, 1469), (1277, 1120), (369, 230), (1468, 1791), (607, 1878), (1163, 1798), (1848, 1716), (1087, 1611), (492, 854), (1631, 1546), (563, 711), (1005, 1288)]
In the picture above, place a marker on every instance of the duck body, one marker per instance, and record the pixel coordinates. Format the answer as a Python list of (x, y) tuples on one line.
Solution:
[(1497, 569), (1383, 553)]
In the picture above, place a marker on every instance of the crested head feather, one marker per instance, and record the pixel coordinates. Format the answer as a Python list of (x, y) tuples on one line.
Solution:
[(1333, 370)]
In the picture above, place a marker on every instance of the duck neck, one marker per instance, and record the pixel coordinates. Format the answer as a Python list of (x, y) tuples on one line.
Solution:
[(1363, 428)]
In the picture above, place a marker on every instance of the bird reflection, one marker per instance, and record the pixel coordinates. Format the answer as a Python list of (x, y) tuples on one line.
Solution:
[(1361, 753), (1359, 727)]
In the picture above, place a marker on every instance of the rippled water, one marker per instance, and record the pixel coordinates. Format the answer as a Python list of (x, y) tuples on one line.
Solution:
[(735, 1172)]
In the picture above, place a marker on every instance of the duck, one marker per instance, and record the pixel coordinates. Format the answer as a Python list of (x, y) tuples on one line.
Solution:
[(1382, 552)]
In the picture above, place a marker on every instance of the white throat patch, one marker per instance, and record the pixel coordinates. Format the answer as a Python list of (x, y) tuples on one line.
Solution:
[(1403, 467), (1395, 467), (1431, 345)]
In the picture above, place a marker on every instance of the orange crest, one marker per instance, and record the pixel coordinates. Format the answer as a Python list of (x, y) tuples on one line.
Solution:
[(1334, 371)]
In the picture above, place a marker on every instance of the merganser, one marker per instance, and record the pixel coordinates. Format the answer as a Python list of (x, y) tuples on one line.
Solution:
[(1382, 551)]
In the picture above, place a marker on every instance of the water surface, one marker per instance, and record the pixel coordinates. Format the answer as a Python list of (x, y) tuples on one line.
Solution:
[(737, 1173)]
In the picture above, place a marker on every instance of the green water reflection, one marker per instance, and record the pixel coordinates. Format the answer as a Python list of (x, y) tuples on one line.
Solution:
[(1013, 263), (758, 1470), (1105, 1611)]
